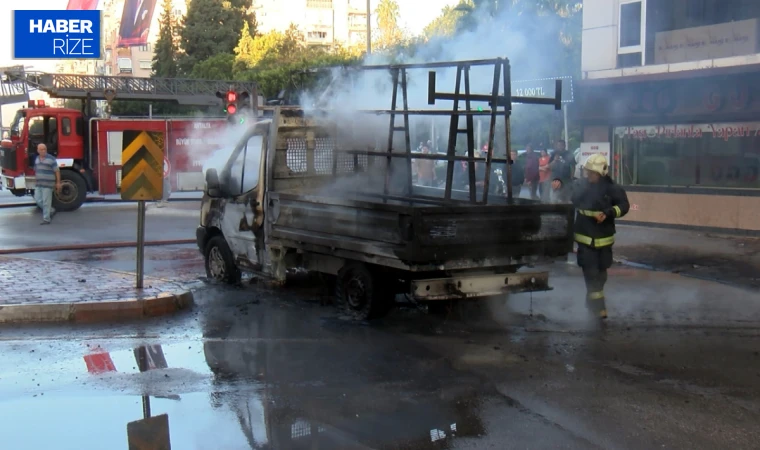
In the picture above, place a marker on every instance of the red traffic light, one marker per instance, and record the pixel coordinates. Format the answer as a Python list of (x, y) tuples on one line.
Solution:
[(231, 109), (231, 97)]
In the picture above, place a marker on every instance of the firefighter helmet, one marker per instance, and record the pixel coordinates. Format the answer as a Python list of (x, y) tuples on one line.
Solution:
[(597, 163)]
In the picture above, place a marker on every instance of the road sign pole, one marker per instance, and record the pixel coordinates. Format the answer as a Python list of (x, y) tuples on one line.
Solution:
[(140, 242), (567, 138)]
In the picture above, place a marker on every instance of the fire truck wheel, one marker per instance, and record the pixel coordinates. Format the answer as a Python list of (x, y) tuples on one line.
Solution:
[(220, 265), (360, 294), (73, 192)]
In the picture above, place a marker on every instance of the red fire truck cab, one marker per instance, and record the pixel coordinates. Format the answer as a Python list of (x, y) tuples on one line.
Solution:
[(88, 151)]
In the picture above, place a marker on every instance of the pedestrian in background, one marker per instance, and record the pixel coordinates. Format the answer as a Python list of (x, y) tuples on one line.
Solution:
[(562, 166), (598, 202), (544, 177), (518, 174), (47, 177), (531, 171), (425, 169)]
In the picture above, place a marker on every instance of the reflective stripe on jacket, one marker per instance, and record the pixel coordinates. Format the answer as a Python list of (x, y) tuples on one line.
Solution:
[(591, 199)]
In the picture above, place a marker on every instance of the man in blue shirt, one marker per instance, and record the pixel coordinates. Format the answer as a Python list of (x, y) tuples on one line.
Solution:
[(48, 177)]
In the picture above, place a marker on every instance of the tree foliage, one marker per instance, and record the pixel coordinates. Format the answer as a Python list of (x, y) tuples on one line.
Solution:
[(389, 33), (218, 67), (447, 23), (211, 27), (167, 51), (280, 60)]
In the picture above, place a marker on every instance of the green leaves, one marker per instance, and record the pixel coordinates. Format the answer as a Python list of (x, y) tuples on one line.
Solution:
[(167, 50)]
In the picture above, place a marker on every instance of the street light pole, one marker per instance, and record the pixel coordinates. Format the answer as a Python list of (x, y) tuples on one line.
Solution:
[(369, 30)]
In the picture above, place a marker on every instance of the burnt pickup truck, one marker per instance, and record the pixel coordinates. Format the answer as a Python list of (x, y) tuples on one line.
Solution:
[(297, 193)]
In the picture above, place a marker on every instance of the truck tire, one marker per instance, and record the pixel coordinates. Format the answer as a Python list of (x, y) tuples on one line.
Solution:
[(220, 265), (360, 295), (73, 192), (18, 192)]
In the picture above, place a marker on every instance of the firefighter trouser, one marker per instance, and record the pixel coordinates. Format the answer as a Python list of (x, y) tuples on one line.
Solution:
[(595, 262)]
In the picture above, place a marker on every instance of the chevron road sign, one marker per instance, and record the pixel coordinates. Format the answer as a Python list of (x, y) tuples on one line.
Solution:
[(142, 160)]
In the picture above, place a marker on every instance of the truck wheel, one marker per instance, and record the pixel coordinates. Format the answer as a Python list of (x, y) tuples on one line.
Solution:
[(359, 295), (220, 265), (18, 192), (73, 192)]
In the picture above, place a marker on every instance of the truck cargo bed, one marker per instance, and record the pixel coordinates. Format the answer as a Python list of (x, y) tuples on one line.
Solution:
[(415, 232)]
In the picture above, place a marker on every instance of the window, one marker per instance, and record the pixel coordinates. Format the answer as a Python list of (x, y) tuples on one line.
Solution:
[(146, 64), (632, 29), (320, 4), (145, 48), (37, 127), (317, 35), (705, 155), (244, 173), (66, 126)]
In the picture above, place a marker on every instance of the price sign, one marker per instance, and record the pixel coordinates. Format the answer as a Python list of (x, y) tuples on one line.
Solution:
[(543, 87)]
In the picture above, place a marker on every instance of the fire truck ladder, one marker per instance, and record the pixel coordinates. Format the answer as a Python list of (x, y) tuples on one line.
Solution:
[(12, 89), (17, 82)]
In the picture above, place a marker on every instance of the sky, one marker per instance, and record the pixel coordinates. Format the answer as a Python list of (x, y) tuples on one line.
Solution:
[(415, 15)]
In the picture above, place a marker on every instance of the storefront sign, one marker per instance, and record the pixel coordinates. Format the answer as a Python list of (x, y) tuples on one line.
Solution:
[(593, 148), (724, 131), (722, 40)]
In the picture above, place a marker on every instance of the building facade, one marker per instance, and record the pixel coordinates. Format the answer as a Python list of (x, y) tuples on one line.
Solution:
[(674, 87), (323, 22)]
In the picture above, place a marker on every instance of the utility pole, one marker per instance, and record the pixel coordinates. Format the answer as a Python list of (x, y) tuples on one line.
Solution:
[(369, 30)]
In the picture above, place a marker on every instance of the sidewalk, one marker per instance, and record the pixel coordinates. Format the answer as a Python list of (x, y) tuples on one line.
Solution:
[(728, 259), (52, 291)]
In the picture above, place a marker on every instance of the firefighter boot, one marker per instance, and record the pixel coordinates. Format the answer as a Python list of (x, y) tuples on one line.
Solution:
[(595, 292), (596, 304)]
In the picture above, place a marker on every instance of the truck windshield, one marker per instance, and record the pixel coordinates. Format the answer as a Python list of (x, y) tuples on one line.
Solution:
[(18, 123)]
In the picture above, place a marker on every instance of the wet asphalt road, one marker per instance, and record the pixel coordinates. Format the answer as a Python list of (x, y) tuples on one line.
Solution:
[(97, 222), (256, 367), (263, 368)]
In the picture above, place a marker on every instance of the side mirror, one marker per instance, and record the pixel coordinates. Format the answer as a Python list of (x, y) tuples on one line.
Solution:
[(213, 187)]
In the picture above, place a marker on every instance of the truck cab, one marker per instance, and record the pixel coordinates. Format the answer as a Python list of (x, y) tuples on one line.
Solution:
[(63, 131)]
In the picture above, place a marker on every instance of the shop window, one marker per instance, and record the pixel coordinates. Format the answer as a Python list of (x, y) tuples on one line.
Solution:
[(707, 155)]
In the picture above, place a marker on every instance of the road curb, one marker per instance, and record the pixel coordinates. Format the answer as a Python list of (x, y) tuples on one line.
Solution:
[(93, 246), (102, 311)]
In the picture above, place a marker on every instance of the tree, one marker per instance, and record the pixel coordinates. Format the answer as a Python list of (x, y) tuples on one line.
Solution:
[(447, 23), (218, 67), (389, 33), (211, 27), (165, 56)]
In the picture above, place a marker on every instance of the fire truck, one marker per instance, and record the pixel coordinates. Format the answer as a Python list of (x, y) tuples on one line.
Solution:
[(88, 147)]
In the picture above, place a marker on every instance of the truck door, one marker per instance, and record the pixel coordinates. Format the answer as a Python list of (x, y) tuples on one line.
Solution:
[(42, 130), (242, 184)]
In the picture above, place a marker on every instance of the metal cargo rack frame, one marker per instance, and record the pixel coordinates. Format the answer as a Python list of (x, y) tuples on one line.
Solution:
[(501, 105)]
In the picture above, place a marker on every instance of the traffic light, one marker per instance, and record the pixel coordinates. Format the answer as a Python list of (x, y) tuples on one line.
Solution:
[(234, 103), (231, 103)]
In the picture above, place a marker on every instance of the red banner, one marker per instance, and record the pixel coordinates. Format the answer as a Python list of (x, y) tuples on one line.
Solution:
[(135, 22), (82, 4)]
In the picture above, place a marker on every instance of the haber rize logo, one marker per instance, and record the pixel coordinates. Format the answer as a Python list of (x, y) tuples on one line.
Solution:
[(56, 34)]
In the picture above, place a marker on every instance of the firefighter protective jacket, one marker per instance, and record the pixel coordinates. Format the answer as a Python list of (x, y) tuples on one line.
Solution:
[(591, 198)]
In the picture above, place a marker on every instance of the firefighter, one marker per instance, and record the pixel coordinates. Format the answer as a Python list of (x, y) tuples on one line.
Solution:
[(598, 202)]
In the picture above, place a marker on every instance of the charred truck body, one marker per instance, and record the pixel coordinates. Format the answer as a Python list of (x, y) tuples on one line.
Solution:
[(307, 190)]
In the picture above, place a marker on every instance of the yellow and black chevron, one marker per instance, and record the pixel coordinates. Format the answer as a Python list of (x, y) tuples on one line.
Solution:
[(142, 160)]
